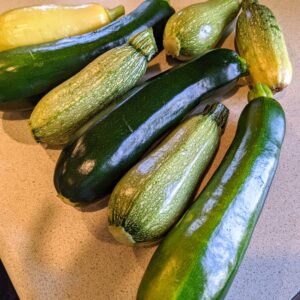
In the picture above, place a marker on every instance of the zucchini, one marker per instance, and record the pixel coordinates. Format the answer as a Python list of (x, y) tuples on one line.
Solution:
[(67, 107), (44, 23), (201, 255), (89, 167), (37, 69), (151, 197), (261, 43), (198, 27)]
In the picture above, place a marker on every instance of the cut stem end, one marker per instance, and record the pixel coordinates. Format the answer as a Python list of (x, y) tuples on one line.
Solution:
[(116, 12), (121, 235), (219, 113), (172, 46)]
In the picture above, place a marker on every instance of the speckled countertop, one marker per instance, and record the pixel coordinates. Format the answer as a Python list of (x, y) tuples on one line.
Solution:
[(52, 251)]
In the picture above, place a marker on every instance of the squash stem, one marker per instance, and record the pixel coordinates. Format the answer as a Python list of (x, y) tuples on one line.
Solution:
[(219, 113), (258, 91), (145, 43), (116, 12), (121, 235)]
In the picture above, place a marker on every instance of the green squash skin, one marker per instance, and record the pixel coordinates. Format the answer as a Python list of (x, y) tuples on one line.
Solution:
[(260, 41), (90, 167), (67, 107), (151, 197), (198, 28), (34, 70), (201, 255)]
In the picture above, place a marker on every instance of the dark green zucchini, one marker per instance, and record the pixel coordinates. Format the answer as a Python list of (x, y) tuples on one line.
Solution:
[(201, 254), (32, 70), (89, 168)]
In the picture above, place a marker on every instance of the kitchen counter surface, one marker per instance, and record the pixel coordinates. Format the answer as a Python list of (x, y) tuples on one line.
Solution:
[(53, 251)]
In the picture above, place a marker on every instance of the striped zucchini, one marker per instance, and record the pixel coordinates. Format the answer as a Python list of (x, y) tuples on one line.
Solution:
[(151, 197), (67, 107), (198, 27)]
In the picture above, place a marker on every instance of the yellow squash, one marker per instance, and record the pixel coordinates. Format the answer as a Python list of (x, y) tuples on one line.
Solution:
[(261, 43), (45, 23)]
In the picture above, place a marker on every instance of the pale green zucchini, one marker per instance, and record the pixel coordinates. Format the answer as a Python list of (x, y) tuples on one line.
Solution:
[(151, 197), (67, 107), (198, 28)]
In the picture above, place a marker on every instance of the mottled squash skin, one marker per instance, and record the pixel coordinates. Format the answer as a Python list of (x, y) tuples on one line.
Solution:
[(261, 43), (152, 196)]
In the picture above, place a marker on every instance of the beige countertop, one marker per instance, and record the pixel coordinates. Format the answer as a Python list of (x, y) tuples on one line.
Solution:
[(53, 251)]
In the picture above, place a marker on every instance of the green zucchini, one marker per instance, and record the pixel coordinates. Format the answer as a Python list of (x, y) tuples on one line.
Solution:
[(67, 107), (198, 27), (33, 70), (151, 197), (260, 41), (200, 256), (90, 166)]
